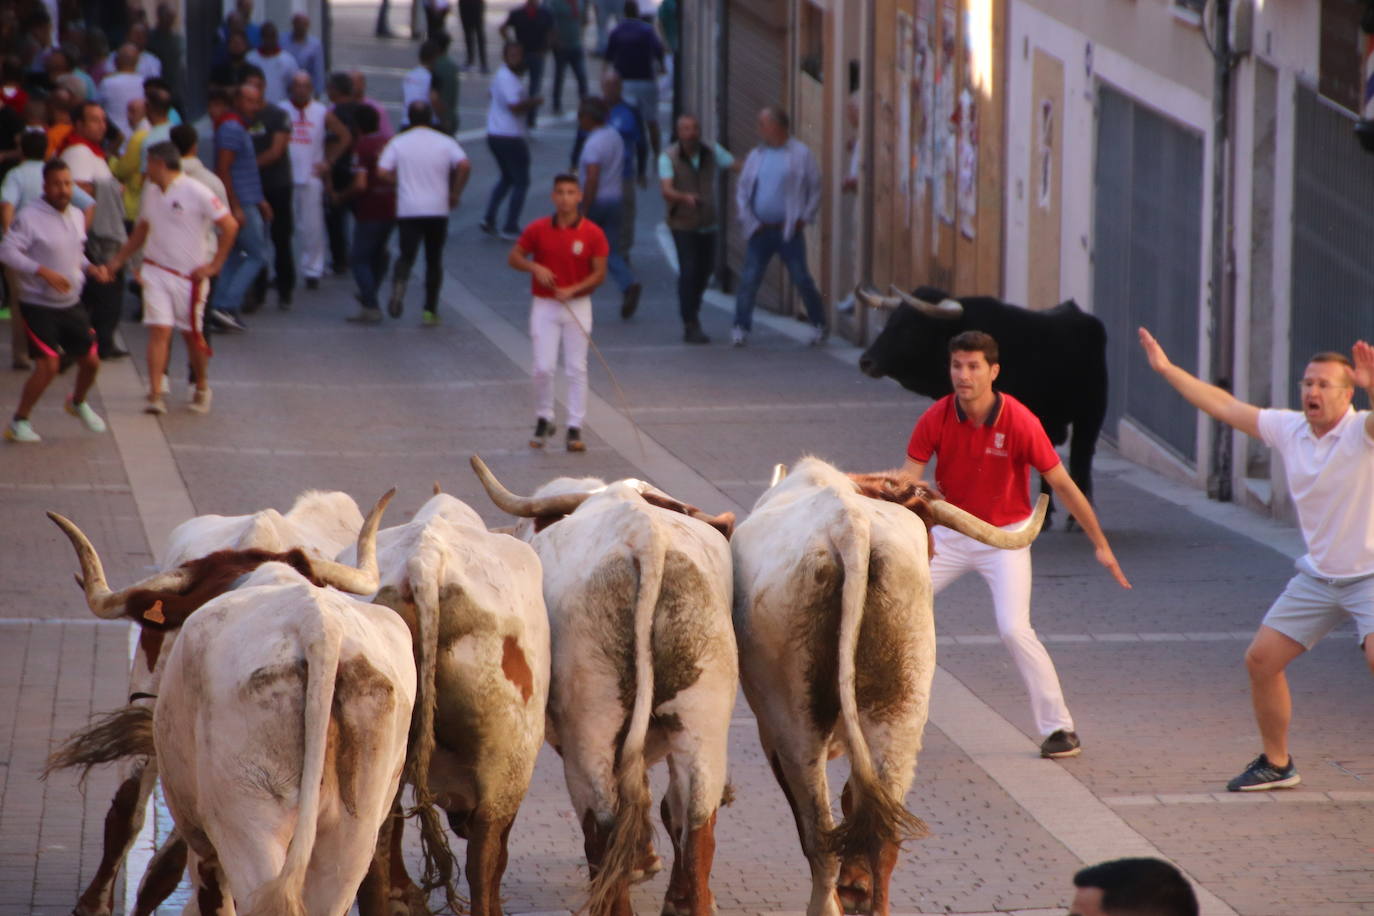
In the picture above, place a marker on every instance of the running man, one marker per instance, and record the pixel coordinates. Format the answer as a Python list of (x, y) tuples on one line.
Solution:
[(46, 247), (567, 255), (1328, 454), (987, 441), (174, 220)]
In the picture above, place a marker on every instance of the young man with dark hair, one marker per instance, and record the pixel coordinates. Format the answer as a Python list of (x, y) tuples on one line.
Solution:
[(374, 216), (987, 441), (506, 132), (430, 171), (1328, 455), (236, 165), (1132, 887), (566, 254), (46, 247)]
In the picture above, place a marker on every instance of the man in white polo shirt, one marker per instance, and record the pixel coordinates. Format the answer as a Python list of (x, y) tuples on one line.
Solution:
[(173, 218), (1328, 455), (430, 170)]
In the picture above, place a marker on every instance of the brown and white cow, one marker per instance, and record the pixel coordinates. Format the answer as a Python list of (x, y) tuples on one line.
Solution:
[(473, 602), (320, 524), (644, 668), (836, 635), (276, 687)]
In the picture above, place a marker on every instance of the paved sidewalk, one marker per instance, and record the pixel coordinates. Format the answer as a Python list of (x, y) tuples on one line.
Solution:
[(304, 400)]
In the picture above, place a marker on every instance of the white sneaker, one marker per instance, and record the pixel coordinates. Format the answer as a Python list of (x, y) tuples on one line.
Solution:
[(21, 431), (200, 401), (166, 386), (738, 336), (819, 335), (155, 406), (86, 415)]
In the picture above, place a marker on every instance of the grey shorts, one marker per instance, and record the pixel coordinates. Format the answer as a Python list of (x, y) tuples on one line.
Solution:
[(642, 94), (1310, 607)]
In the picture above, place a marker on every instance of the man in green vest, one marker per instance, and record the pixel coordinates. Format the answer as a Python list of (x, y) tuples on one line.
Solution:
[(687, 175)]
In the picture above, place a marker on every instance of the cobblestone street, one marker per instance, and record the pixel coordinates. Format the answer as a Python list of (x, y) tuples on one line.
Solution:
[(304, 400)]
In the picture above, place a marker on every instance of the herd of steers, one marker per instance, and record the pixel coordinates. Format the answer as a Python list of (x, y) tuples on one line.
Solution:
[(305, 683)]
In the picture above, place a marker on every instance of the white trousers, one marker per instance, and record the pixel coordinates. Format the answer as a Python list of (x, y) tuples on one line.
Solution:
[(1008, 575), (307, 205), (570, 323)]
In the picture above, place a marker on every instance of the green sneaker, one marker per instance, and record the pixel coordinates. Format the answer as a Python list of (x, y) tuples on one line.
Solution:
[(21, 431), (86, 415), (429, 319), (5, 314)]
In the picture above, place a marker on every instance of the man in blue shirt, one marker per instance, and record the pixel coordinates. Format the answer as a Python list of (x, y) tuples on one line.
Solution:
[(626, 120), (236, 165), (779, 192)]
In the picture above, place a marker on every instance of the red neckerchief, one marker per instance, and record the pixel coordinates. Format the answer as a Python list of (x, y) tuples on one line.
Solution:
[(75, 139), (229, 115)]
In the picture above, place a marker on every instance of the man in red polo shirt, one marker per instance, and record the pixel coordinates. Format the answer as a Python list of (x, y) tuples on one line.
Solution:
[(987, 442), (566, 253)]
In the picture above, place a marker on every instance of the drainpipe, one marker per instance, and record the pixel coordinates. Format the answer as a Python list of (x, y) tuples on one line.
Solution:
[(1221, 307), (723, 211)]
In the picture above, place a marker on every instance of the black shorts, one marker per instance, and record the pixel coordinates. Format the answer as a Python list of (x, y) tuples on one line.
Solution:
[(58, 331)]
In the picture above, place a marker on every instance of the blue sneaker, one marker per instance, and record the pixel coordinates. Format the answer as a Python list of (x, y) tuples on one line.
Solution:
[(1261, 775)]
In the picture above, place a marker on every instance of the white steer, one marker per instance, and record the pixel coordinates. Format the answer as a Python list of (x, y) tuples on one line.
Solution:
[(837, 651), (644, 667), (473, 602)]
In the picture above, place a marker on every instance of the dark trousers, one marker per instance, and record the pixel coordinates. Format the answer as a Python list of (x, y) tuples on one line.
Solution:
[(370, 257), (434, 21), (574, 59), (433, 230), (474, 34), (103, 302), (535, 61), (696, 258), (383, 27), (513, 159), (281, 231), (336, 227)]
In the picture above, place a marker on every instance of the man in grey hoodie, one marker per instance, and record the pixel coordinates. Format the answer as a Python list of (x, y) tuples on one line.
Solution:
[(778, 193)]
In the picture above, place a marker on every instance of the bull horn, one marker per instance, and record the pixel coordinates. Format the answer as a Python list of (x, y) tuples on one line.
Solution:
[(952, 516), (724, 523), (779, 472), (946, 308), (364, 579), (873, 299), (524, 506), (437, 489), (104, 603)]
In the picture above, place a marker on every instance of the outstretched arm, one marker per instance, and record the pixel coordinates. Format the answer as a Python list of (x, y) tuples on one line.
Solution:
[(1211, 400), (1362, 354), (1078, 506)]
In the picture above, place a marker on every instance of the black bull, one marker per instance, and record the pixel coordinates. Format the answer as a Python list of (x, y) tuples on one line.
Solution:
[(1053, 361)]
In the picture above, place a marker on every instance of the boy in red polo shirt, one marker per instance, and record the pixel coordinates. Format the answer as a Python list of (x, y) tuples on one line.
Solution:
[(987, 442), (566, 253)]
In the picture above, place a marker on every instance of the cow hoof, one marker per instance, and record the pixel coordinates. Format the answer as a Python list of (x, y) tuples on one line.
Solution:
[(651, 866), (854, 899), (684, 908)]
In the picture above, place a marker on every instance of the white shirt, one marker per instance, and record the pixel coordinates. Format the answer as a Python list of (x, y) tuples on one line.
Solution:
[(422, 159), (507, 89), (277, 71), (178, 221), (116, 91), (86, 165), (148, 63), (415, 86), (307, 139), (1332, 482)]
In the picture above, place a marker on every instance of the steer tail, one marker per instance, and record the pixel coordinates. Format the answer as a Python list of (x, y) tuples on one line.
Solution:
[(426, 570), (632, 832), (876, 818), (282, 895), (126, 732)]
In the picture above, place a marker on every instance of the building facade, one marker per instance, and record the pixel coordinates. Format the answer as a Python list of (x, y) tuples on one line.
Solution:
[(1046, 150)]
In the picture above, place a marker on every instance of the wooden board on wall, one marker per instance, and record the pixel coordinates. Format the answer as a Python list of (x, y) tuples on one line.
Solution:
[(992, 163), (1045, 191), (886, 229)]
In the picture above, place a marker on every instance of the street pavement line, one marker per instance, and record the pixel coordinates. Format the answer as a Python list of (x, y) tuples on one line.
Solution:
[(1059, 802), (658, 465), (1046, 790), (163, 502)]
